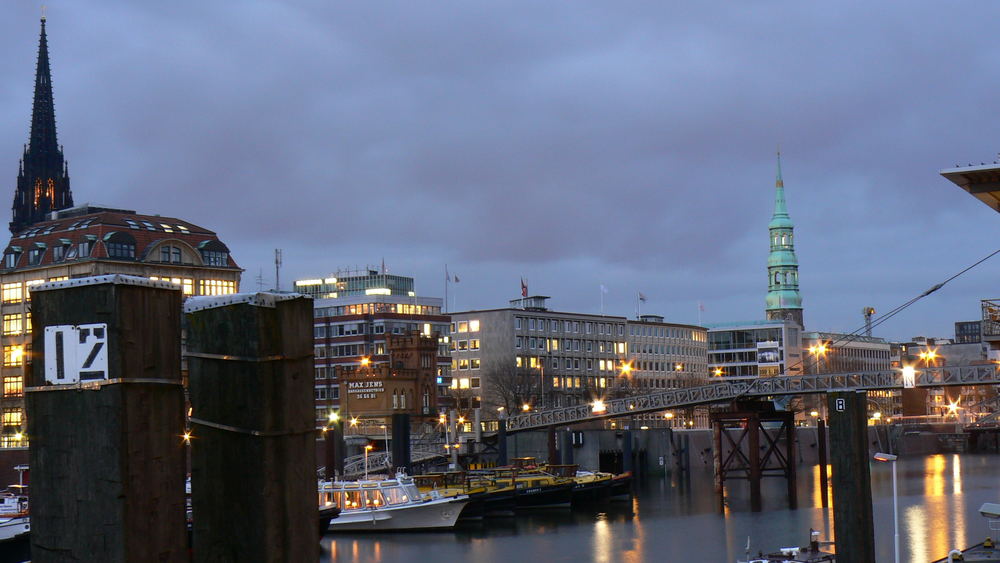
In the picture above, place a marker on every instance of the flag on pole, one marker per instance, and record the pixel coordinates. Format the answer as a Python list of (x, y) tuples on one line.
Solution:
[(447, 276), (642, 297), (456, 278), (604, 288), (524, 288), (701, 306)]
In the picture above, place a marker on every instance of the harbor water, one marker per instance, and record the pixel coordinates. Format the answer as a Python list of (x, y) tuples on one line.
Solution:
[(672, 519)]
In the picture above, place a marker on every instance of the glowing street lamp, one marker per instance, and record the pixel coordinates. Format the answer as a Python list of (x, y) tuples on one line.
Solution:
[(366, 361), (953, 407), (626, 368), (668, 415), (814, 414), (718, 372), (334, 417), (598, 406), (525, 407)]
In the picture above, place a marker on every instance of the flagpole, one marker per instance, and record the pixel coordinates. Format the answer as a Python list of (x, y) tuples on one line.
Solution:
[(447, 281), (700, 308), (601, 289)]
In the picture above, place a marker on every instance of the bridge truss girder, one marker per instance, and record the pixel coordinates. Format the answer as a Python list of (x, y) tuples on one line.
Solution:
[(729, 389)]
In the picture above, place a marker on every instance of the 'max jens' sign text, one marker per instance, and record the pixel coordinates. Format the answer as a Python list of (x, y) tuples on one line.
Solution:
[(364, 389), (75, 353)]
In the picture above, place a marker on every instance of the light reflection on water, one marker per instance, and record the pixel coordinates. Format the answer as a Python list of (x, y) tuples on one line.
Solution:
[(678, 520)]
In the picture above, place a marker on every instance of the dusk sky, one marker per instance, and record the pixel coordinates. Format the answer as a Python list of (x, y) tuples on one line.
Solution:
[(575, 144)]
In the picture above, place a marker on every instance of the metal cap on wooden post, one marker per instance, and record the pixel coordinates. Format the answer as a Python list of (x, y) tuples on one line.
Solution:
[(105, 410), (253, 454)]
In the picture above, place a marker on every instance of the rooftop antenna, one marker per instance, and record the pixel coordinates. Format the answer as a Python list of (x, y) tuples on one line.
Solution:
[(260, 279), (277, 269)]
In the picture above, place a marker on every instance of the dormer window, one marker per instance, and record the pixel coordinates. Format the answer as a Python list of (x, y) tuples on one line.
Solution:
[(10, 257), (35, 254), (120, 245), (214, 253)]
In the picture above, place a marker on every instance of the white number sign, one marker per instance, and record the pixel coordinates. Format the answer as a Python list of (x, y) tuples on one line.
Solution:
[(75, 353)]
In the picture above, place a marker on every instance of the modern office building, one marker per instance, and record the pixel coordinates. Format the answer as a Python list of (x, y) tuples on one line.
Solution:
[(755, 348), (347, 283), (968, 332), (52, 240), (527, 354), (831, 352), (356, 324)]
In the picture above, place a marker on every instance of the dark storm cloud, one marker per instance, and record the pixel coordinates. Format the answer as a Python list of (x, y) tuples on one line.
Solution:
[(577, 144)]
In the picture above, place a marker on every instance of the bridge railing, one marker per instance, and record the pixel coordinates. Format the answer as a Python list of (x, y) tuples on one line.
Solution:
[(726, 389)]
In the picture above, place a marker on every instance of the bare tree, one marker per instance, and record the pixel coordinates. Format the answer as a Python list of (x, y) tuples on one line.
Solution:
[(508, 386)]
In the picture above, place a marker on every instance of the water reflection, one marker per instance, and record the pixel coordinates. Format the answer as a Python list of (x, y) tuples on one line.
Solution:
[(678, 519)]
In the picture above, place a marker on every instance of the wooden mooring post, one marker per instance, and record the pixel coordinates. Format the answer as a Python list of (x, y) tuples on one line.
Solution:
[(253, 453), (824, 479), (105, 409), (854, 526), (401, 457)]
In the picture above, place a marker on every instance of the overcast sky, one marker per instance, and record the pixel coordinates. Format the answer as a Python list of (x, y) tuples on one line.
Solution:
[(629, 144)]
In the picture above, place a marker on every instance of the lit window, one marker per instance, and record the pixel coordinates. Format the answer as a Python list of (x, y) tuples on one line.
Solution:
[(463, 364), (13, 386), (463, 345), (474, 363), (216, 287), (12, 355), (474, 344), (13, 324), (474, 383), (463, 326), (474, 325), (12, 292), (463, 383)]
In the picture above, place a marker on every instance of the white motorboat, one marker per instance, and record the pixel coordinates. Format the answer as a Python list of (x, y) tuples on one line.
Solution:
[(14, 520), (391, 504)]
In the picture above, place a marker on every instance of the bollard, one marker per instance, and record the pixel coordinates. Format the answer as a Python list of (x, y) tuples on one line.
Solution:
[(253, 454), (105, 409)]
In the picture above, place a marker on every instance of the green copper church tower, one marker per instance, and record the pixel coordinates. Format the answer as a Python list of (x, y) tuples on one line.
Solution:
[(783, 299)]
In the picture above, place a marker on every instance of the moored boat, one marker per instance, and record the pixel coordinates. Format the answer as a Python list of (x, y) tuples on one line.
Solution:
[(391, 504), (588, 486), (621, 486), (535, 489), (15, 523)]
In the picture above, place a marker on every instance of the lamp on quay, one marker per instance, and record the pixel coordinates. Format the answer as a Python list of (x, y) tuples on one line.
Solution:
[(895, 503)]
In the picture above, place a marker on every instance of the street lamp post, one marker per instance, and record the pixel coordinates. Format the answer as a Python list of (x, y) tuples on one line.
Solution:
[(895, 502), (368, 448)]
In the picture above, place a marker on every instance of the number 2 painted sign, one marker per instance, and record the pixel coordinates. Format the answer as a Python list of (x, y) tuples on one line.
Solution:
[(75, 353)]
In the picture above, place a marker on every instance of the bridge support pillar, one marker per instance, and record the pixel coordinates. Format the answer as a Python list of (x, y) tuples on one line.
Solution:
[(334, 447), (553, 451), (853, 524), (746, 457), (566, 447), (628, 464)]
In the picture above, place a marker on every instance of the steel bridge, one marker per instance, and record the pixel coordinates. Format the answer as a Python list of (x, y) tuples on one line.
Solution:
[(728, 389)]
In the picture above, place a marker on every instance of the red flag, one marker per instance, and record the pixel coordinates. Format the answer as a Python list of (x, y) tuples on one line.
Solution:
[(524, 288)]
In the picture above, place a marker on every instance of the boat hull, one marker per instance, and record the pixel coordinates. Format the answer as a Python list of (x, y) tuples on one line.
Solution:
[(430, 515), (591, 492), (550, 496), (13, 528)]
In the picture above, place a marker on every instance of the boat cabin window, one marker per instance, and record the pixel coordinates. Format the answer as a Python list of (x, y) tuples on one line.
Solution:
[(352, 500), (374, 499), (396, 495)]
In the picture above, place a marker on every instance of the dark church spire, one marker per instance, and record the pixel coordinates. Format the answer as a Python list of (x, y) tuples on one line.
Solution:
[(43, 178)]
